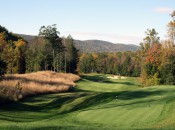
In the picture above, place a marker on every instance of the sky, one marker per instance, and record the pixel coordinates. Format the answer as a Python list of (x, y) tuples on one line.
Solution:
[(117, 21)]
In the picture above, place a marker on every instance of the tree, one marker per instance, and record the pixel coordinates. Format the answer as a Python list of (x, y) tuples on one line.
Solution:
[(171, 28), (121, 63), (71, 55), (83, 64), (14, 57), (151, 58), (167, 69), (36, 55), (150, 39), (20, 51), (2, 45), (50, 34), (158, 62), (12, 52)]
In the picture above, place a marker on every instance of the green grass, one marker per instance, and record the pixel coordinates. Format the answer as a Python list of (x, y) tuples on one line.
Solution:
[(93, 105)]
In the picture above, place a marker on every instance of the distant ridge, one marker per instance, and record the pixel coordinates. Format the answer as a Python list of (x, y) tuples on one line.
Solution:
[(103, 46), (89, 46), (28, 38)]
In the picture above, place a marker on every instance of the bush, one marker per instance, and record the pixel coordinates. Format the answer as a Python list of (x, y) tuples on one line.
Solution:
[(146, 80)]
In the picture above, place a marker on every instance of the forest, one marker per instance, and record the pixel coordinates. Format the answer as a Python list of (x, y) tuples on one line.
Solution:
[(48, 51)]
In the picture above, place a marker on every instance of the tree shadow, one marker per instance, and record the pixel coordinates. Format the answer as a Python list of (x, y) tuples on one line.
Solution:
[(96, 78), (93, 98), (103, 98), (102, 79), (74, 102), (55, 102)]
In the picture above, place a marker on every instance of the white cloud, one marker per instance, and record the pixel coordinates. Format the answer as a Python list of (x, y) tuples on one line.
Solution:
[(163, 10), (115, 38)]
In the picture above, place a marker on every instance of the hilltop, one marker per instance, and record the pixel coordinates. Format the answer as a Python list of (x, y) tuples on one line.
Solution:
[(103, 46)]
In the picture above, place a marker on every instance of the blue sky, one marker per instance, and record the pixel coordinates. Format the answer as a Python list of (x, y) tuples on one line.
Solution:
[(118, 21)]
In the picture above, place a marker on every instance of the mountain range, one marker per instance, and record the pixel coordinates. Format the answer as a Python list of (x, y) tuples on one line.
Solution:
[(95, 45)]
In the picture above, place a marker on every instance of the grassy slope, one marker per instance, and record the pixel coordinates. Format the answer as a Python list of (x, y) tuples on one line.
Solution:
[(94, 105)]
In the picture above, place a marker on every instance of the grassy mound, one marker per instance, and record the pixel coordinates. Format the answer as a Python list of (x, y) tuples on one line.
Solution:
[(17, 86), (97, 103)]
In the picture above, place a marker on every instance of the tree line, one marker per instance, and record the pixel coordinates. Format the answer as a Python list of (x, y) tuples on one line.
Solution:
[(158, 57), (120, 63), (48, 51), (154, 63)]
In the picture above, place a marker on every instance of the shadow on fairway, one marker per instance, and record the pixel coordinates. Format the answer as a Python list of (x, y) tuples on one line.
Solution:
[(102, 79), (79, 101), (60, 100)]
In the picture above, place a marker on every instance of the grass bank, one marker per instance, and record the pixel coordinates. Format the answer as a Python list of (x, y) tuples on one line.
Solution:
[(17, 86)]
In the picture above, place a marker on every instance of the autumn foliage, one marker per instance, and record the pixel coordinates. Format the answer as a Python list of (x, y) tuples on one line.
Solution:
[(12, 52), (158, 66)]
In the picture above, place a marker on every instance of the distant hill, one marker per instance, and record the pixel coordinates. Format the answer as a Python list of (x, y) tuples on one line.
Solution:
[(28, 38), (103, 46), (95, 45)]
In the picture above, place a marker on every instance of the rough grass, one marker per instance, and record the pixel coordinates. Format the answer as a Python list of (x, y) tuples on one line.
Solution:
[(97, 103), (17, 86)]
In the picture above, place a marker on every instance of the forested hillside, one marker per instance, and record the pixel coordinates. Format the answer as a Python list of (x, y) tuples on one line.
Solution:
[(96, 46), (103, 46)]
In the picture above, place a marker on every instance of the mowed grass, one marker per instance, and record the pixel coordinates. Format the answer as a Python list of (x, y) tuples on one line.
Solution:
[(96, 103)]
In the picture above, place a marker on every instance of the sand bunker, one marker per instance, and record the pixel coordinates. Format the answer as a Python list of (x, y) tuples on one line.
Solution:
[(116, 77)]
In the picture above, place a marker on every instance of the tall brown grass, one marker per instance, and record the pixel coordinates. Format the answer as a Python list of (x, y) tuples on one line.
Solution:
[(17, 86)]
